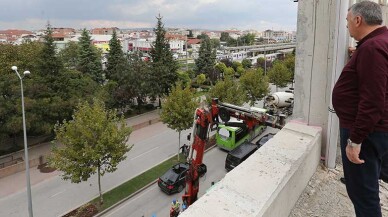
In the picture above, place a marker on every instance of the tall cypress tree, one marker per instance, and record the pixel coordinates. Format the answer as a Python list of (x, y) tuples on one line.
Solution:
[(164, 67), (206, 59), (117, 63), (49, 64), (89, 60)]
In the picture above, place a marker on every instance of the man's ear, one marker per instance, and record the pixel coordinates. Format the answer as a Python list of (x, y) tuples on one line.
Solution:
[(358, 20)]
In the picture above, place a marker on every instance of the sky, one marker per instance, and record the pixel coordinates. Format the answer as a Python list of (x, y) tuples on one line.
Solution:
[(193, 14)]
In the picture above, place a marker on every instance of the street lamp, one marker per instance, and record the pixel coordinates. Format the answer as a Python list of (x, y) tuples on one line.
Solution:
[(14, 68)]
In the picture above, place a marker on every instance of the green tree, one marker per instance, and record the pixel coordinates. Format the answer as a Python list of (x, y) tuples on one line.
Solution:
[(240, 71), (279, 75), (138, 84), (178, 110), (89, 59), (231, 42), (236, 65), (69, 55), (201, 78), (49, 64), (229, 72), (224, 36), (116, 61), (184, 77), (94, 141), (206, 60), (164, 67), (25, 56), (289, 62), (221, 67), (248, 39), (215, 42), (203, 36), (246, 63), (255, 84), (190, 35), (55, 90), (228, 91)]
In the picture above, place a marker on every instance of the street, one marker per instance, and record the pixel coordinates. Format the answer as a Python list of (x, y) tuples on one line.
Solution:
[(154, 201), (55, 197)]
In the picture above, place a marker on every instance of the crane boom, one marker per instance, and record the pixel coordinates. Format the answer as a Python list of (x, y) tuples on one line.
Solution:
[(205, 118)]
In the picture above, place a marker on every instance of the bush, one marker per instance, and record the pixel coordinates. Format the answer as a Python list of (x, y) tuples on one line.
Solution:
[(149, 106), (194, 85)]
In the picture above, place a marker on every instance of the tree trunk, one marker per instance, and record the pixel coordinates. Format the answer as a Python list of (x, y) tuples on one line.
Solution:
[(99, 185), (179, 143), (160, 102)]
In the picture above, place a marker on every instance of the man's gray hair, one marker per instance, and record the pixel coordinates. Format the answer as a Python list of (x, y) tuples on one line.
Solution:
[(370, 11)]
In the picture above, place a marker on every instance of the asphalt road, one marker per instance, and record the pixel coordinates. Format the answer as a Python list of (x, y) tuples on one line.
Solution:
[(55, 197), (153, 201)]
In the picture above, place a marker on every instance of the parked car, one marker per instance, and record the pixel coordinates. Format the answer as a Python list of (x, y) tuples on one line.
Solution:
[(264, 139), (239, 154), (174, 179)]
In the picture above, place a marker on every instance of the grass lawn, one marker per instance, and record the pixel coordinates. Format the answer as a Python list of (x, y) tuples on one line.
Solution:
[(131, 186)]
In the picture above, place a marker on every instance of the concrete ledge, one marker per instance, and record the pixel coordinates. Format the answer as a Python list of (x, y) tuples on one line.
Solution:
[(269, 182)]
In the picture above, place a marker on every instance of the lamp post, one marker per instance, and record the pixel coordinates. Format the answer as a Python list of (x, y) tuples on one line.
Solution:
[(14, 68)]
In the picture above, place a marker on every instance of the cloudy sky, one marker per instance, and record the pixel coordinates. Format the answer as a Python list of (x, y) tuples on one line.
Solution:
[(196, 14)]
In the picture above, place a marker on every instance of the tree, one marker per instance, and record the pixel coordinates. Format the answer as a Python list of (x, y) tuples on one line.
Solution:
[(164, 66), (201, 78), (231, 42), (94, 141), (228, 91), (116, 61), (215, 42), (236, 65), (89, 60), (279, 75), (224, 36), (56, 90), (240, 71), (203, 36), (178, 110), (69, 55), (49, 64), (190, 35), (289, 62), (137, 84), (255, 84), (25, 56), (206, 60), (246, 63), (247, 39), (184, 77)]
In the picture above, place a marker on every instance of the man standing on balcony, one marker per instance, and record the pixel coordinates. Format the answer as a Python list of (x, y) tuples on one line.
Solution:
[(360, 99)]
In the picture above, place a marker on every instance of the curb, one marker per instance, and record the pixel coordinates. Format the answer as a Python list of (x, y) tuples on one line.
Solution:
[(136, 192), (124, 199)]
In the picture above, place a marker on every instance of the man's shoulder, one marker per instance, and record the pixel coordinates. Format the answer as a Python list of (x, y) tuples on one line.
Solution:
[(379, 42)]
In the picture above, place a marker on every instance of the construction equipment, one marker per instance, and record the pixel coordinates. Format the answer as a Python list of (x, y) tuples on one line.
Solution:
[(280, 102), (207, 118)]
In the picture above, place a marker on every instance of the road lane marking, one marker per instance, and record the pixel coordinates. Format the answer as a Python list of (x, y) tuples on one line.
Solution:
[(144, 153), (124, 204), (57, 193)]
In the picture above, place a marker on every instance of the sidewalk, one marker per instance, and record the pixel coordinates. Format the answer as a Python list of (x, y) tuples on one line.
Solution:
[(16, 181)]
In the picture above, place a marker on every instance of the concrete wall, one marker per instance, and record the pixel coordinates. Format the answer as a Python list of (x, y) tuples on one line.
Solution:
[(269, 182), (316, 40)]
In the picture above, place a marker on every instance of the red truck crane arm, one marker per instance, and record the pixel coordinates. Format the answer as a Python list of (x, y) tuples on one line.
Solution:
[(205, 118)]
